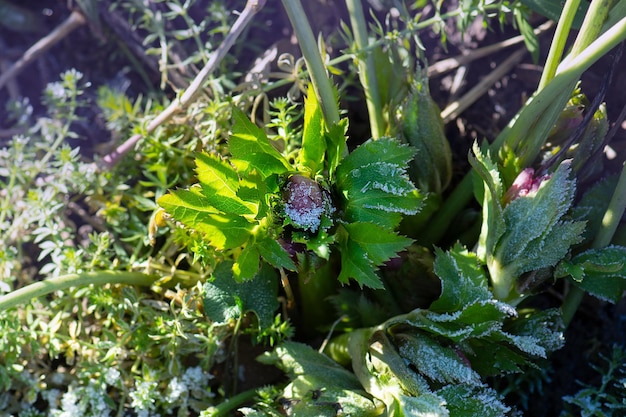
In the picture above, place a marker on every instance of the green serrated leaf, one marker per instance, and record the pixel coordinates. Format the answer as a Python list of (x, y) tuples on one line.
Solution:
[(220, 183), (436, 362), (223, 231), (247, 263), (355, 264), (249, 143), (274, 254), (369, 204), (374, 184), (225, 299), (532, 217), (493, 224), (463, 281), (603, 272), (383, 150), (383, 176), (379, 244), (472, 401), (335, 140), (313, 142)]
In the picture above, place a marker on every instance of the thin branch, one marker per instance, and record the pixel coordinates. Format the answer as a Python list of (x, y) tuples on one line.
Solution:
[(75, 20), (194, 89)]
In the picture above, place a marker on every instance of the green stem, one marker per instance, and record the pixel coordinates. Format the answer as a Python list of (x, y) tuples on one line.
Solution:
[(540, 112), (610, 221), (232, 403), (367, 69), (558, 42), (592, 25), (321, 83), (50, 285)]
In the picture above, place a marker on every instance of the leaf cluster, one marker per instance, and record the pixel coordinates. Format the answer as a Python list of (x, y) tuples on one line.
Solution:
[(239, 206)]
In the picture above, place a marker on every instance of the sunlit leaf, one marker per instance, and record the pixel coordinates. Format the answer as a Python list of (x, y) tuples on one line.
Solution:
[(223, 231), (249, 143), (313, 142), (220, 183)]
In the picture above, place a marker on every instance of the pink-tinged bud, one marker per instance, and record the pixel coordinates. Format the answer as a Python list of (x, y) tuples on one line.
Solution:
[(304, 202), (525, 185)]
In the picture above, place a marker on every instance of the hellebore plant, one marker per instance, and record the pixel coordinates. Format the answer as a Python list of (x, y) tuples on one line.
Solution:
[(269, 212), (256, 206)]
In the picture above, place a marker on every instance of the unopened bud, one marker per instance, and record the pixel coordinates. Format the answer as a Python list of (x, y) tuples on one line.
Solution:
[(304, 202)]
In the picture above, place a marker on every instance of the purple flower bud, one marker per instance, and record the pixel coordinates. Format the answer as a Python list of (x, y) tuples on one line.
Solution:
[(525, 185), (304, 202)]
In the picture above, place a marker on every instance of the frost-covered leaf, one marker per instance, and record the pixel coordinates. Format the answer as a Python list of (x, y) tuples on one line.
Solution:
[(425, 405), (545, 326), (313, 142), (379, 207), (530, 221), (383, 150), (219, 182), (492, 192), (365, 246), (249, 143), (537, 235), (463, 281), (379, 244), (547, 252), (473, 401), (438, 363), (600, 272), (225, 299), (374, 183), (192, 209)]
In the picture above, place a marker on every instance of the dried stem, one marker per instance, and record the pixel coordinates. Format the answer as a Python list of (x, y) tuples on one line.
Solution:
[(190, 95), (75, 20)]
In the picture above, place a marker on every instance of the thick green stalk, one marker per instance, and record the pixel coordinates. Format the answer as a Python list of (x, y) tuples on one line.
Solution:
[(232, 403), (50, 285), (592, 25), (540, 112), (367, 70), (321, 83), (610, 221), (558, 42)]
